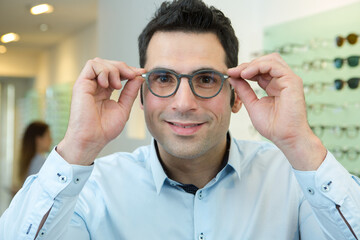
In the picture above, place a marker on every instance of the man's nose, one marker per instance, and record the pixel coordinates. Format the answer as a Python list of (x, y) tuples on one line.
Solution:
[(184, 99)]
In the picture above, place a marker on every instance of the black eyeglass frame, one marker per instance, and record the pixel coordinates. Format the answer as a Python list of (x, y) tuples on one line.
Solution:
[(352, 61), (188, 76), (353, 83)]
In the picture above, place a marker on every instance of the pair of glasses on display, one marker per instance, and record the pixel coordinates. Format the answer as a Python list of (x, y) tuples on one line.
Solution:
[(351, 153), (203, 83), (317, 87), (317, 64), (337, 131), (291, 48), (352, 61), (352, 39), (318, 108), (353, 83)]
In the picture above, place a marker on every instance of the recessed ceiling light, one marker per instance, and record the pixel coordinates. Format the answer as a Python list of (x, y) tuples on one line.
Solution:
[(44, 27), (10, 37), (2, 49), (42, 8)]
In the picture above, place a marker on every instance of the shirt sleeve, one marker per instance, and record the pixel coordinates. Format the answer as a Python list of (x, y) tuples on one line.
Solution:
[(56, 188), (334, 196)]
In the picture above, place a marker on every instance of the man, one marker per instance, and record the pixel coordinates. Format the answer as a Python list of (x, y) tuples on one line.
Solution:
[(194, 181)]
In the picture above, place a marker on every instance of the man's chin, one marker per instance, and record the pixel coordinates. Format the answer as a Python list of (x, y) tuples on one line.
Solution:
[(184, 149)]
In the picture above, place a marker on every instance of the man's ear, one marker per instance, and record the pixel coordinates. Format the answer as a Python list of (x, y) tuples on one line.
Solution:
[(141, 97), (237, 103)]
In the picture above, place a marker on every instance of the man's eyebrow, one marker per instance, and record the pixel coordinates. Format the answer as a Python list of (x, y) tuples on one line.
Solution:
[(203, 69), (194, 71)]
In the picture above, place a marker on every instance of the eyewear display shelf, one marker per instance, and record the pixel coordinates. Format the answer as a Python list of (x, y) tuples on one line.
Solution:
[(29, 109), (309, 46), (57, 111)]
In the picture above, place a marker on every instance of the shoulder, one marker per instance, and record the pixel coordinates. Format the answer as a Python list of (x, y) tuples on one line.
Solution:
[(261, 154), (111, 173), (124, 160), (255, 148)]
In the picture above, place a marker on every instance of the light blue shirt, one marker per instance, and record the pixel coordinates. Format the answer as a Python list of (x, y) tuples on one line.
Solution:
[(257, 195)]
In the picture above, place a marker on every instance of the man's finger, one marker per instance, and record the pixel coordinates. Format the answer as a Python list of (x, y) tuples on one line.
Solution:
[(274, 69), (236, 71), (127, 72), (244, 91), (129, 93), (138, 71)]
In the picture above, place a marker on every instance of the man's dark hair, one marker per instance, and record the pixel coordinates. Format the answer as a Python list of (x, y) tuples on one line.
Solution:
[(191, 16)]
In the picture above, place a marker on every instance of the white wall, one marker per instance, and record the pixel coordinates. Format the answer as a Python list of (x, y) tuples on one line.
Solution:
[(19, 62), (63, 62)]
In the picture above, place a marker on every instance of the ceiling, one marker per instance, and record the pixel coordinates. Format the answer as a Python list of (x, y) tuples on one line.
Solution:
[(69, 16)]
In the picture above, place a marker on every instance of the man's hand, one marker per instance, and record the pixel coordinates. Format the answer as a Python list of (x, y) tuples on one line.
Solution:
[(280, 116), (95, 119)]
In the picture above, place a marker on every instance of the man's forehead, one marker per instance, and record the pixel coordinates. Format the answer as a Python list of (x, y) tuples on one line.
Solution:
[(198, 50)]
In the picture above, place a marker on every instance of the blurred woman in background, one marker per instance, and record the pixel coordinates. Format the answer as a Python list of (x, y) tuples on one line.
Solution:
[(35, 143)]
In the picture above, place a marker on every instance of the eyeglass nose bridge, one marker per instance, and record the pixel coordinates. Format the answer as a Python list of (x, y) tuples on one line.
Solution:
[(189, 80), (190, 77)]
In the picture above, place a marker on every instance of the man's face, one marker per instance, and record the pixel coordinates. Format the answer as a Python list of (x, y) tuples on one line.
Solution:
[(184, 125)]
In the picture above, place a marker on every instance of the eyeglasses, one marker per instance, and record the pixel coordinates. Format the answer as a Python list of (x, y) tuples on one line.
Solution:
[(352, 61), (353, 83), (351, 38), (318, 108), (204, 83), (337, 131), (317, 87), (317, 64), (351, 153)]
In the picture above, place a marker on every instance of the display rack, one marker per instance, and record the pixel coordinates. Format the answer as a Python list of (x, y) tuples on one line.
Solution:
[(308, 45), (57, 110)]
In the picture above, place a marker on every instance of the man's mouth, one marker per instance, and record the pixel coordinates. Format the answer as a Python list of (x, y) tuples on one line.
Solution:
[(185, 125), (185, 129)]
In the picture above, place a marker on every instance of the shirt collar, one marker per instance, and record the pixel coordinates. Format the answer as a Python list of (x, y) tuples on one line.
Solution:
[(235, 156), (160, 176), (157, 170)]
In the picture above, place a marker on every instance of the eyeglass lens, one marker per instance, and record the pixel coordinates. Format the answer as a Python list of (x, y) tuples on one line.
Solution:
[(204, 84), (353, 83), (352, 61), (351, 38)]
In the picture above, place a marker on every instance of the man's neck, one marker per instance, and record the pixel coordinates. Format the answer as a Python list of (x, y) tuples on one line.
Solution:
[(198, 171)]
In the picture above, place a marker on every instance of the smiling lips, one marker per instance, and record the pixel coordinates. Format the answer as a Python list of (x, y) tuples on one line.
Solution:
[(185, 129)]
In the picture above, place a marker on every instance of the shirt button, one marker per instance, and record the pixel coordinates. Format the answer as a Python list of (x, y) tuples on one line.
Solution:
[(77, 180), (310, 191), (42, 233), (326, 187), (62, 178), (201, 236), (200, 196)]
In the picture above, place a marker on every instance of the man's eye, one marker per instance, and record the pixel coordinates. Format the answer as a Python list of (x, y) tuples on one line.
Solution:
[(164, 79), (206, 79)]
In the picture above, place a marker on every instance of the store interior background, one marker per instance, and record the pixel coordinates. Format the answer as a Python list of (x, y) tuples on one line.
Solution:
[(44, 64)]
